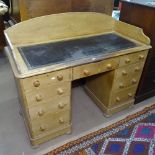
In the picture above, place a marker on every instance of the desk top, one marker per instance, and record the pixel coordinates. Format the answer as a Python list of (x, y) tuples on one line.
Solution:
[(63, 52), (60, 41)]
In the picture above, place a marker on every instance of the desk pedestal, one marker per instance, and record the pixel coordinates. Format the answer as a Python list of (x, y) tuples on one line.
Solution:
[(114, 91)]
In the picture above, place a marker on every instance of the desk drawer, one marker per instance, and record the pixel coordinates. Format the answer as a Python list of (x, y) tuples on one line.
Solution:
[(122, 96), (95, 68), (42, 96), (85, 70), (42, 81), (128, 76), (51, 107), (54, 122), (109, 64), (132, 58)]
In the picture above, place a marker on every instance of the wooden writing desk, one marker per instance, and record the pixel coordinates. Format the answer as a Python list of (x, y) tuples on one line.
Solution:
[(48, 53)]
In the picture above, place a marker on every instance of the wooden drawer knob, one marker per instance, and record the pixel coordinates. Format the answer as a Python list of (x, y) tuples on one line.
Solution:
[(124, 73), (137, 69), (42, 128), (60, 77), (40, 112), (127, 60), (141, 57), (118, 99), (121, 85), (134, 81), (61, 105), (61, 120), (109, 66), (130, 95), (60, 91), (38, 98), (36, 83), (86, 72)]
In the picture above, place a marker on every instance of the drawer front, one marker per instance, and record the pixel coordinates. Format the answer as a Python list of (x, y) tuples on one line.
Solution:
[(54, 122), (122, 96), (128, 76), (109, 64), (42, 96), (132, 58), (42, 81), (85, 70), (51, 107), (95, 68)]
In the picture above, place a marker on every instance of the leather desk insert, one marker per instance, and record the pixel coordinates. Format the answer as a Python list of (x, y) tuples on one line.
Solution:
[(73, 50), (94, 47)]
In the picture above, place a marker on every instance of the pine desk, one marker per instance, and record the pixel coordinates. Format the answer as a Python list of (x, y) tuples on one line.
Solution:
[(48, 53)]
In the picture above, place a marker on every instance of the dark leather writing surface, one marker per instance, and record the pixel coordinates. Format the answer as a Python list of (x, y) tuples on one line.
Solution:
[(73, 50)]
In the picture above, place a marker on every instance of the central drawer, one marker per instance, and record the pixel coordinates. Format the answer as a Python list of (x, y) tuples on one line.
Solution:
[(95, 68)]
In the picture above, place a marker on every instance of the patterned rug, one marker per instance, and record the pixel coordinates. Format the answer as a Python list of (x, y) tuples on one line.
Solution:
[(134, 135)]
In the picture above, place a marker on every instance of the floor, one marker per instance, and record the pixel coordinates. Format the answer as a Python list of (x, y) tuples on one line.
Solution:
[(13, 135)]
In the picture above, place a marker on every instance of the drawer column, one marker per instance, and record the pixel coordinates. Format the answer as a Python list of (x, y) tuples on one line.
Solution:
[(46, 100)]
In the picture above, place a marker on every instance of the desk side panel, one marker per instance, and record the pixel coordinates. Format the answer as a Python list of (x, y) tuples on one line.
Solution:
[(132, 32)]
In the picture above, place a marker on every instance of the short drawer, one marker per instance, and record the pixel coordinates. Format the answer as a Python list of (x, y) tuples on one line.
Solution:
[(122, 96), (51, 107), (42, 96), (95, 68), (109, 64), (132, 58), (85, 70), (52, 123), (127, 76), (42, 81)]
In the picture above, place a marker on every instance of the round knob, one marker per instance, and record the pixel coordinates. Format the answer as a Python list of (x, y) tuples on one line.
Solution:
[(42, 128), (60, 91), (109, 66), (128, 60), (118, 99), (36, 83), (61, 105), (86, 72), (137, 69), (40, 112), (61, 120), (121, 85), (134, 81), (141, 57), (130, 94), (124, 73), (38, 98), (60, 77)]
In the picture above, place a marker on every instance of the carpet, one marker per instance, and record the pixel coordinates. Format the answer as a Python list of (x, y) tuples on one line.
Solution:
[(134, 135)]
